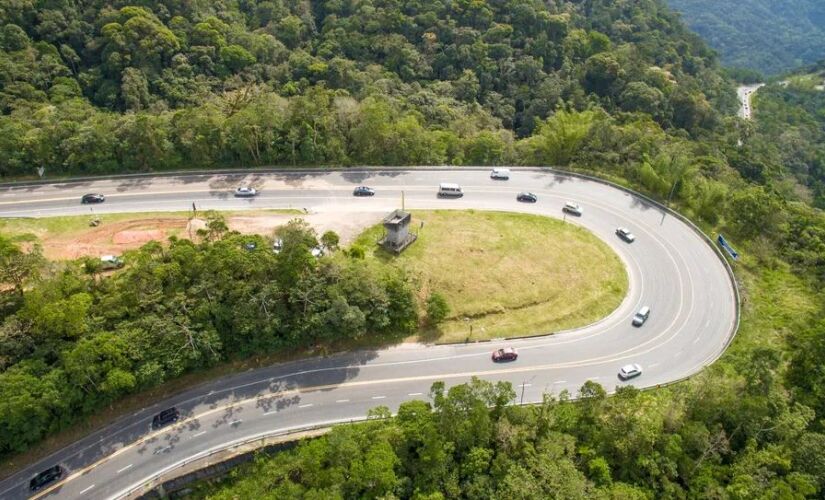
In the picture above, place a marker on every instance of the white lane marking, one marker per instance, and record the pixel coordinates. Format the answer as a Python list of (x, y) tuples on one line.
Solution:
[(87, 489), (652, 365), (696, 340), (595, 378), (525, 385), (677, 354), (307, 405), (560, 382), (201, 433), (379, 397), (414, 394), (235, 422), (270, 412), (123, 469), (342, 401)]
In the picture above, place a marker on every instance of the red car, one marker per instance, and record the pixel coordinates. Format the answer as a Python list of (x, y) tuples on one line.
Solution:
[(506, 354)]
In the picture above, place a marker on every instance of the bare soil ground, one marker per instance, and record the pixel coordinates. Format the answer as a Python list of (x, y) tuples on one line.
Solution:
[(71, 237)]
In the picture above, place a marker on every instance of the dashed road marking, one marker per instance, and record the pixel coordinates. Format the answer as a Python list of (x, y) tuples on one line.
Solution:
[(123, 469), (87, 489), (560, 382), (235, 422), (415, 394), (305, 405), (379, 397), (201, 433), (342, 401)]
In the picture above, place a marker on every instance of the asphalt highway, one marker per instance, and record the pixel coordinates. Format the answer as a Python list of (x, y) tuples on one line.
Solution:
[(671, 269)]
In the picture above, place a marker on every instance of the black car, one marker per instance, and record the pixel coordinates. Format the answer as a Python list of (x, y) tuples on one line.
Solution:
[(165, 417), (363, 191), (92, 198), (528, 197), (46, 477)]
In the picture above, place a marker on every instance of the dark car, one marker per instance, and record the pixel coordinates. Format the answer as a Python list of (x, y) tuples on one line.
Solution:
[(506, 354), (363, 191), (46, 478), (165, 417), (92, 198), (528, 197)]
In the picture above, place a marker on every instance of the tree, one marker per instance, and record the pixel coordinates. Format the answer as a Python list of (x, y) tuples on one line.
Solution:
[(437, 308), (330, 240), (18, 267)]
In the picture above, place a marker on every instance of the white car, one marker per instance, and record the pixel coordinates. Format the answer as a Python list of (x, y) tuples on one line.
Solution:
[(625, 234), (246, 192), (573, 208), (630, 371), (502, 174)]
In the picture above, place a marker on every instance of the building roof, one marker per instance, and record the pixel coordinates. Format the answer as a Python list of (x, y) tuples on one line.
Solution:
[(397, 218)]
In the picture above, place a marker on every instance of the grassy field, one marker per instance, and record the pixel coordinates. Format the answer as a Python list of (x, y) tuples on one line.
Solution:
[(506, 274)]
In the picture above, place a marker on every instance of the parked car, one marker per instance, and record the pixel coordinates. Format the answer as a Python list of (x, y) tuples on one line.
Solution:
[(317, 251), (501, 174), (528, 197), (625, 234), (363, 191), (46, 478), (277, 245), (505, 354), (630, 371), (92, 198), (166, 417), (250, 246), (573, 209), (641, 316), (111, 262), (246, 192)]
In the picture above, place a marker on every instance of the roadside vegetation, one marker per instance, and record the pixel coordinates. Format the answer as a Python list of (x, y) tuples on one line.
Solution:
[(505, 275)]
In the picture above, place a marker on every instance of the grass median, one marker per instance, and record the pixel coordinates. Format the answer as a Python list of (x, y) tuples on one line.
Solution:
[(506, 274)]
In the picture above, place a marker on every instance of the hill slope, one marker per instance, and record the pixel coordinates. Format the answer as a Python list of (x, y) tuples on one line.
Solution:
[(771, 36)]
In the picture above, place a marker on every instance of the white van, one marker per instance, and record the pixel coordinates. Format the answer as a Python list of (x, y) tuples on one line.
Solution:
[(500, 174), (450, 189)]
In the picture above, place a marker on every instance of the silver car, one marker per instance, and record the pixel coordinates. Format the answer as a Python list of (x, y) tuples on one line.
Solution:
[(630, 371), (246, 192)]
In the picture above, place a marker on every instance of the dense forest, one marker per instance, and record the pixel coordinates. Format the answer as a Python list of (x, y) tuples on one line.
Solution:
[(95, 87), (769, 36), (619, 89)]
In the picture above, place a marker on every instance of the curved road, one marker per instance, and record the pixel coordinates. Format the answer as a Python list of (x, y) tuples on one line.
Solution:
[(671, 268)]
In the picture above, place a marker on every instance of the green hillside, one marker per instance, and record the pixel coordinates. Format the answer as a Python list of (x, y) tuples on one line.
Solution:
[(770, 36)]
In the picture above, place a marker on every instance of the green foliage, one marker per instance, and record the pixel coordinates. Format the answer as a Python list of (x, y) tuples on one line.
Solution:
[(771, 36), (437, 308), (74, 342), (275, 84)]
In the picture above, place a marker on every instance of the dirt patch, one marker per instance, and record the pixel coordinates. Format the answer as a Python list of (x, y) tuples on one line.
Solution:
[(137, 236), (116, 237)]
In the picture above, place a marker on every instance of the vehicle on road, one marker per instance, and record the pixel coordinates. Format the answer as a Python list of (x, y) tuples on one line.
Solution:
[(501, 174), (46, 478), (246, 192), (450, 189), (573, 209), (363, 191), (641, 316), (630, 371), (92, 198), (166, 417), (527, 196), (505, 354), (625, 234)]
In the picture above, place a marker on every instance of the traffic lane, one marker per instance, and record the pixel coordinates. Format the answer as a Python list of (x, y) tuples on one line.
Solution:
[(247, 421)]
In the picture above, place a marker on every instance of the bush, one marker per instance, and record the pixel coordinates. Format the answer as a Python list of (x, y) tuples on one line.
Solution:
[(437, 308)]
